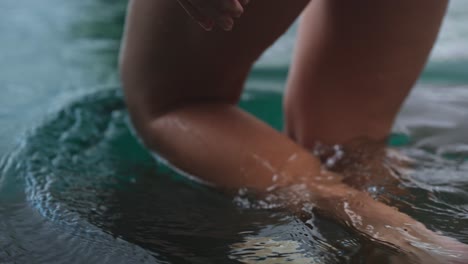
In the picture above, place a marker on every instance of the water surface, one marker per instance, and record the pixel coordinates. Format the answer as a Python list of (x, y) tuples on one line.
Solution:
[(77, 187)]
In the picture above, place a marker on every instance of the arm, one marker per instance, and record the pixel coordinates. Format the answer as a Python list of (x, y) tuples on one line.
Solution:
[(232, 149)]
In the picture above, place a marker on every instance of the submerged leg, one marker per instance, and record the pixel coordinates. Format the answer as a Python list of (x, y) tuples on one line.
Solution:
[(181, 84)]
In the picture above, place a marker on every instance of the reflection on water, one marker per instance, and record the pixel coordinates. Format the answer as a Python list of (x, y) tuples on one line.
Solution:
[(92, 181), (96, 193)]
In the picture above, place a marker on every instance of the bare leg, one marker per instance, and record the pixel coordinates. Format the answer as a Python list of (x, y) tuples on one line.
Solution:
[(355, 62), (168, 60), (232, 149), (181, 84), (169, 63)]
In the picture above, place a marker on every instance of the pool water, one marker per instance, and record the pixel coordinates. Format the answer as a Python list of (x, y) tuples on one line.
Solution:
[(77, 187)]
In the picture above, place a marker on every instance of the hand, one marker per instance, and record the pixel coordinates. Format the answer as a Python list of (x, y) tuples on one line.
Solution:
[(210, 13)]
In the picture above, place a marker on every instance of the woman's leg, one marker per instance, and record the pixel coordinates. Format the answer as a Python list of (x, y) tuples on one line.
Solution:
[(168, 60), (180, 86), (355, 62)]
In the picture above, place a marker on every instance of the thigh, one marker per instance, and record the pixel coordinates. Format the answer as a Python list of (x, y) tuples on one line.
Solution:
[(167, 59), (355, 62)]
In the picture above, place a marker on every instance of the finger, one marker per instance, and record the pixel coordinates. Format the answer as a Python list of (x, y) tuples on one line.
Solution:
[(232, 7), (244, 2), (219, 12), (204, 21), (217, 8), (225, 22)]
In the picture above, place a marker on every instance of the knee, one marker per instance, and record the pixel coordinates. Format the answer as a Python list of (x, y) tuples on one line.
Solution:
[(152, 92)]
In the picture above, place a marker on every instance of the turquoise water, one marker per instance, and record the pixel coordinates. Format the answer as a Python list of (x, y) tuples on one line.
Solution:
[(76, 187)]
